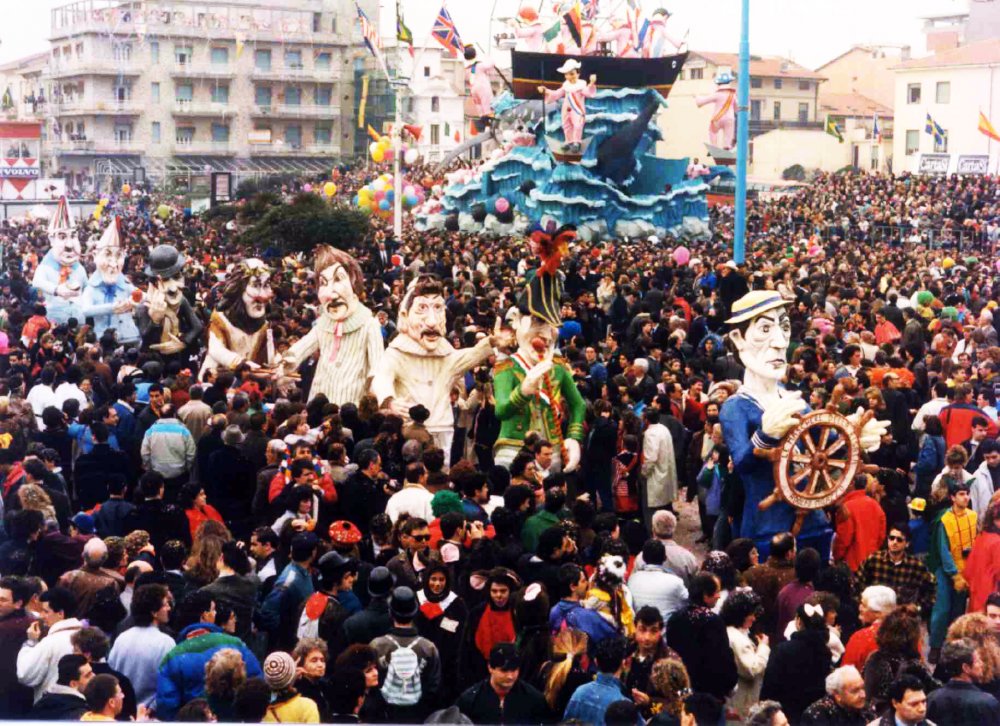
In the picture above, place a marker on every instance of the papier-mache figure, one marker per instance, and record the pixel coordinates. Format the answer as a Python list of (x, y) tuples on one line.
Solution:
[(346, 335), (657, 37), (534, 388), (573, 93), (238, 331), (421, 367), (60, 275), (722, 127), (528, 30), (477, 74), (108, 295), (167, 323), (760, 414)]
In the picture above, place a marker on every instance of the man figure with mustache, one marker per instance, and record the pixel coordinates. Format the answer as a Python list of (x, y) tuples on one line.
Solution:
[(346, 335), (60, 275), (421, 366), (238, 331), (167, 323), (107, 296)]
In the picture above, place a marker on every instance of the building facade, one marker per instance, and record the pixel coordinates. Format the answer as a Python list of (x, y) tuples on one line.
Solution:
[(866, 70), (175, 85), (952, 86)]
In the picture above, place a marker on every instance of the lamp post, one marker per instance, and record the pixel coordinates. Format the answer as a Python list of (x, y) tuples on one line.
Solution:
[(398, 85), (742, 136)]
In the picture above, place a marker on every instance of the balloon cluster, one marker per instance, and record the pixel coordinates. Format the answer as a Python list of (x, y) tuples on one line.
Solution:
[(378, 195), (381, 150), (99, 209)]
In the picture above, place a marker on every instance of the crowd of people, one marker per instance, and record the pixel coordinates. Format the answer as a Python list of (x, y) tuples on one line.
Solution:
[(186, 549)]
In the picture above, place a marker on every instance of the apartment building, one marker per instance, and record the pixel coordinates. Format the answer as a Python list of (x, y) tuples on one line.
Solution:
[(175, 86)]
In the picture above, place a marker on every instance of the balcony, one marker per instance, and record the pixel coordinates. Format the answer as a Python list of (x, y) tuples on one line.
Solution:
[(296, 73), (200, 108), (91, 147), (284, 110), (203, 70), (758, 126), (189, 147), (283, 148), (89, 107), (93, 67)]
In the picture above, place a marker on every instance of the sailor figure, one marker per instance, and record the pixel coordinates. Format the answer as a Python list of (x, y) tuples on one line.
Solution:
[(573, 92)]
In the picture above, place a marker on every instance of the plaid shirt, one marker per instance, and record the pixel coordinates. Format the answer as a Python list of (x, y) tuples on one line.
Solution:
[(910, 578)]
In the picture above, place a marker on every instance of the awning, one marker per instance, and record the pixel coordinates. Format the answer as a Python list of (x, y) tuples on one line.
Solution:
[(254, 165)]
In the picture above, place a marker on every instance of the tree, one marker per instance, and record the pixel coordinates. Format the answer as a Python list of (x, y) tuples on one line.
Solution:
[(794, 173), (305, 223)]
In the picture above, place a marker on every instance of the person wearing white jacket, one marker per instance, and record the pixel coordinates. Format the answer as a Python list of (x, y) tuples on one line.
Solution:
[(739, 613), (986, 478), (38, 659), (659, 467), (652, 584)]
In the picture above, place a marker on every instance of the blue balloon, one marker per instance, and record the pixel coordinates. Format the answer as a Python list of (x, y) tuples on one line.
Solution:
[(390, 194), (384, 205)]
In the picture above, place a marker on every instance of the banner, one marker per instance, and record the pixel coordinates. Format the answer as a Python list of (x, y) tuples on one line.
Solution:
[(364, 100)]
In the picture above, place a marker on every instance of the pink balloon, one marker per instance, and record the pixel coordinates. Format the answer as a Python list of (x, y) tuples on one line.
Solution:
[(307, 188), (380, 195), (502, 205), (682, 255)]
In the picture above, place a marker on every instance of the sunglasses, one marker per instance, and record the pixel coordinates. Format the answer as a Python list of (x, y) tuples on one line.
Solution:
[(896, 538), (421, 537)]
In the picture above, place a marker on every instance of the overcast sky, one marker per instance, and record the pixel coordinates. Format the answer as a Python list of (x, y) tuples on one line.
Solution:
[(809, 31)]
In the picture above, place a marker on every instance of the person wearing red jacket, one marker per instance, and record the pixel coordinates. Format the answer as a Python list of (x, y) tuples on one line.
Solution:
[(860, 527), (956, 418)]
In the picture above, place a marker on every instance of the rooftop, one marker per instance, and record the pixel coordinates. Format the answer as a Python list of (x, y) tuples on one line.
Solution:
[(983, 52), (25, 62), (764, 66), (852, 104)]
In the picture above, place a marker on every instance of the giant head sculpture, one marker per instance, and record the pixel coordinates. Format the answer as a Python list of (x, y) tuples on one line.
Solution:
[(340, 283), (761, 331), (246, 294), (422, 314), (109, 252)]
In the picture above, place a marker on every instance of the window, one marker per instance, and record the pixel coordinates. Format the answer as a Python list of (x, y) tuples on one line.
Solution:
[(183, 54), (435, 104), (220, 56), (777, 83), (912, 141), (293, 96), (777, 110), (435, 134), (943, 92), (293, 136), (804, 85), (427, 71), (756, 82), (323, 96), (155, 132), (122, 93), (220, 133), (941, 148), (184, 134), (220, 93), (317, 22), (123, 133), (803, 113), (697, 74), (122, 51), (79, 50), (262, 95), (262, 60), (874, 159), (154, 92), (323, 135), (333, 26), (293, 59), (755, 110), (912, 93), (323, 61), (184, 92), (154, 51)]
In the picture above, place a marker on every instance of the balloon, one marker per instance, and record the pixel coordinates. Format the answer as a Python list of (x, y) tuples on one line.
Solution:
[(163, 211), (97, 214), (409, 190), (373, 147), (126, 189), (451, 222), (502, 205), (526, 187), (105, 201), (329, 189), (384, 205), (379, 185), (390, 194), (380, 195), (378, 156), (682, 255), (947, 263), (389, 155), (411, 156), (307, 188), (356, 201)]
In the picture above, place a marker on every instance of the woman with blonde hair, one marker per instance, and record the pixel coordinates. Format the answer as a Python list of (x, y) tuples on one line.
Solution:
[(563, 674), (672, 684), (201, 567), (225, 672), (976, 627), (34, 497)]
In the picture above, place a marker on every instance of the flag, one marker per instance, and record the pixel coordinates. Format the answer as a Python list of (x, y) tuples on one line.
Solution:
[(445, 33), (876, 130), (363, 103), (933, 128), (369, 31), (447, 129), (375, 136), (986, 127), (553, 32), (574, 24), (834, 130), (240, 43), (641, 36), (403, 34), (590, 9)]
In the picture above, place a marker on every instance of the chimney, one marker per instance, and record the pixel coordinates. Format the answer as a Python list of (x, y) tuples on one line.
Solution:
[(904, 52)]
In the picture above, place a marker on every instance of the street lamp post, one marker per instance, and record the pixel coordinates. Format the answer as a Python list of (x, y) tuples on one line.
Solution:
[(398, 85), (742, 136)]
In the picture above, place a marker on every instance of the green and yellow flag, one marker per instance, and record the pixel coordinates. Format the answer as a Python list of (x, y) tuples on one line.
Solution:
[(403, 34), (833, 129)]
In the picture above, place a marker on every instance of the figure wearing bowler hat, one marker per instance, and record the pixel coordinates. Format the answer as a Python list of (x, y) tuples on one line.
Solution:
[(166, 320)]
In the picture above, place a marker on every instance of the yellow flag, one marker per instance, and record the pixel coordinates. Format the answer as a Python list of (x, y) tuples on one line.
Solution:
[(364, 100)]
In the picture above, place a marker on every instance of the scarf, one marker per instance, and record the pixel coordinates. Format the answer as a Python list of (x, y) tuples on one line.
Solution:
[(434, 606), (496, 626)]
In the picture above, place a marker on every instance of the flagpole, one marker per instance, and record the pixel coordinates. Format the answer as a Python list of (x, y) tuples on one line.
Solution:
[(742, 136)]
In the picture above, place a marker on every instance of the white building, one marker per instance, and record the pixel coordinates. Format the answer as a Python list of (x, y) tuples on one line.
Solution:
[(953, 86)]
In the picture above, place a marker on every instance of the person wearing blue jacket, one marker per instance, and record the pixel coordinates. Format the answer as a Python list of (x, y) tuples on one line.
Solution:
[(279, 614), (569, 613), (182, 671)]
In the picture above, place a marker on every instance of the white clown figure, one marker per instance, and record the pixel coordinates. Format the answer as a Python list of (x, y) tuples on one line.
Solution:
[(108, 296), (346, 335), (60, 275)]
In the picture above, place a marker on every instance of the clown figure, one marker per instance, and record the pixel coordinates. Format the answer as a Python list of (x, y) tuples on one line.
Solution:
[(238, 331), (722, 127), (572, 92), (346, 336), (107, 297), (60, 275), (528, 30), (657, 36)]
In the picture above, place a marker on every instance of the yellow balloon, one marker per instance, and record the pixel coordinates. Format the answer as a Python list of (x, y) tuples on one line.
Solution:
[(126, 189), (378, 156), (329, 189)]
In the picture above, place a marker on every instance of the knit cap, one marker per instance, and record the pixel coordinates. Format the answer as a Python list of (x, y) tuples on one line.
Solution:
[(279, 670), (446, 501)]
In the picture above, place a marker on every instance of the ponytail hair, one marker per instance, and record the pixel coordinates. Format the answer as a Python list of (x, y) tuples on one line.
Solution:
[(570, 644)]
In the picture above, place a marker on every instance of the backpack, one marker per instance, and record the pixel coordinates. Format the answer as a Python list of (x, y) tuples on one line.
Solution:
[(311, 614), (402, 686)]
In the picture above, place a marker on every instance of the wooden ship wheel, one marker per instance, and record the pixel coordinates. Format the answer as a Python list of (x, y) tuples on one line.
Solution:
[(817, 460)]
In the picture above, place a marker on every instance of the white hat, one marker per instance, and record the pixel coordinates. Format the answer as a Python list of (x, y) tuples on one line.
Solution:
[(571, 64), (731, 264)]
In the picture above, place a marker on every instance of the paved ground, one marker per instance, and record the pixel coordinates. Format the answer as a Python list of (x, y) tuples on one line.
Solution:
[(689, 528)]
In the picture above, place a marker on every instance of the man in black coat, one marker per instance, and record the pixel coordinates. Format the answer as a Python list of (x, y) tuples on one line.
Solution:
[(960, 701), (64, 700), (15, 699), (229, 481), (504, 697), (93, 471), (732, 286), (163, 521), (362, 495), (374, 621)]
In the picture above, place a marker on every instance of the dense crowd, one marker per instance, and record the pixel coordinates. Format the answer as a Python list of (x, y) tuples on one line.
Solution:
[(193, 550)]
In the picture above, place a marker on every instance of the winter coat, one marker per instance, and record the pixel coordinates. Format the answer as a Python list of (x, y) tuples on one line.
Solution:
[(524, 704), (699, 636), (861, 532), (37, 663), (796, 672), (654, 585), (62, 703), (659, 466)]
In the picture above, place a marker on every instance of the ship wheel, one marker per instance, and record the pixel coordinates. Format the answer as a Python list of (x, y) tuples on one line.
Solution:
[(817, 460)]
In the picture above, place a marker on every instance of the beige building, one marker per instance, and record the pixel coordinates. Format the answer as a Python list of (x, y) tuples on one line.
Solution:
[(22, 78), (177, 86), (865, 70)]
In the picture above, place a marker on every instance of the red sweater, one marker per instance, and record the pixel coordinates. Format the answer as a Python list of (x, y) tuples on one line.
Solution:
[(861, 532)]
